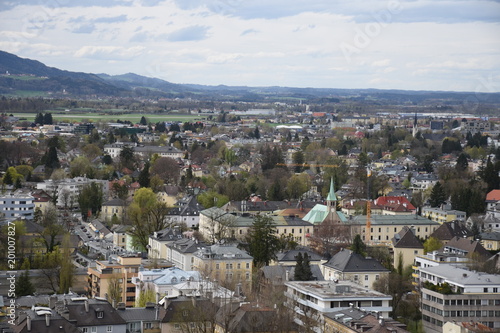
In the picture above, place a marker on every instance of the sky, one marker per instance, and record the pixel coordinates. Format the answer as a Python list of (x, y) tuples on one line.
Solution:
[(450, 45)]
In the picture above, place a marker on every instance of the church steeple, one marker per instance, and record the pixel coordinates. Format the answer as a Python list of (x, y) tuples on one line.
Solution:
[(331, 199)]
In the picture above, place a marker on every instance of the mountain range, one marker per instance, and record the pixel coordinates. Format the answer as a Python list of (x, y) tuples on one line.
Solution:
[(26, 77)]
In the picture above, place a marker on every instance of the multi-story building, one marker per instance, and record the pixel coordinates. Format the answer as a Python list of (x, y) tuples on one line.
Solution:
[(164, 282), (493, 210), (449, 230), (351, 266), (443, 215), (312, 300), (224, 263), (68, 190), (405, 247), (216, 224), (383, 227), (17, 205), (452, 293), (111, 272), (158, 241), (490, 240), (181, 252), (114, 208), (355, 320)]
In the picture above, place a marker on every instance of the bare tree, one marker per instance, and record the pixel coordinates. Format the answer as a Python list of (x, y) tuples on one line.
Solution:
[(167, 169), (218, 225)]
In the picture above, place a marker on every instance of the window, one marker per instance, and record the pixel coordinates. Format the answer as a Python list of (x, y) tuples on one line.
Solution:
[(148, 326), (185, 313), (377, 277), (248, 265), (217, 266), (485, 290), (109, 328), (100, 314), (94, 329), (177, 326), (293, 230), (356, 277), (366, 277), (239, 266), (85, 330)]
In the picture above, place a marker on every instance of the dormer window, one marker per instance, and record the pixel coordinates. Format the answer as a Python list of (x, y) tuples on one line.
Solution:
[(100, 314)]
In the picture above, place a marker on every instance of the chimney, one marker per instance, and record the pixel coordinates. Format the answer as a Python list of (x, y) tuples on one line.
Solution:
[(86, 305), (28, 323), (113, 303), (47, 319), (381, 321), (52, 301), (157, 312), (287, 275)]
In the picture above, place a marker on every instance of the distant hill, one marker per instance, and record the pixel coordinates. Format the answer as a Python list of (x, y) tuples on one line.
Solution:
[(28, 76)]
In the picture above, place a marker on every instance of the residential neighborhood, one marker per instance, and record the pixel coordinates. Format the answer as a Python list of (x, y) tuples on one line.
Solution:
[(325, 215)]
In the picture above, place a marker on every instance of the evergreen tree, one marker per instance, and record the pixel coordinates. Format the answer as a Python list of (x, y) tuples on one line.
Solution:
[(462, 163), (24, 287), (490, 176), (51, 158), (262, 240), (358, 246), (299, 159), (343, 150), (39, 118), (256, 133), (144, 177), (47, 119), (438, 195), (299, 268), (306, 269), (143, 121)]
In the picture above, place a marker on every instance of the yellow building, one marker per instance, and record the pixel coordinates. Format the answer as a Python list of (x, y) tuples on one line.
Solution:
[(224, 263), (118, 273), (406, 246), (490, 241), (442, 215), (216, 224), (114, 207)]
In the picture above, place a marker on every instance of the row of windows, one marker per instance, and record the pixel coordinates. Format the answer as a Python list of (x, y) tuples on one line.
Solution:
[(230, 266), (460, 302), (93, 329)]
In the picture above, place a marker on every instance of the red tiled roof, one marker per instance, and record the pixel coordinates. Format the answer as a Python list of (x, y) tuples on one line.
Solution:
[(493, 195)]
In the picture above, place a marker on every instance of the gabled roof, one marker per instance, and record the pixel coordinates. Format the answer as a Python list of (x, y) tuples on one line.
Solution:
[(291, 255), (77, 313), (394, 202), (278, 272), (449, 230), (131, 315), (467, 246), (348, 261), (196, 310), (406, 239), (493, 195)]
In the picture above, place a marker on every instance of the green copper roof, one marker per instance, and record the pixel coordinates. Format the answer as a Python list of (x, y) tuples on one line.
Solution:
[(331, 195)]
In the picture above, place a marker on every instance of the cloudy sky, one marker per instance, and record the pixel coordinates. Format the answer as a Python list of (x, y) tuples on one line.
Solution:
[(401, 44)]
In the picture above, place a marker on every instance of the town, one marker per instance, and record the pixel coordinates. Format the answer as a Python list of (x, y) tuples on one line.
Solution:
[(335, 216)]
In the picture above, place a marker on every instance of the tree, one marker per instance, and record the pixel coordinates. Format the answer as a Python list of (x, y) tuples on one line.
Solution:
[(39, 118), (462, 163), (262, 240), (147, 215), (167, 169), (114, 289), (47, 119), (11, 176), (67, 268), (90, 199), (143, 121), (358, 246), (432, 244), (438, 195), (297, 185), (218, 225), (303, 268), (127, 157), (51, 158), (24, 287), (490, 175), (299, 159), (144, 176), (211, 198)]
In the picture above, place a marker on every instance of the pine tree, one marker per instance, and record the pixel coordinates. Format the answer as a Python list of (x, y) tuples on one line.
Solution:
[(299, 268), (358, 246), (24, 287), (39, 119), (262, 240), (47, 119), (438, 196), (144, 177), (306, 269), (143, 121), (462, 163)]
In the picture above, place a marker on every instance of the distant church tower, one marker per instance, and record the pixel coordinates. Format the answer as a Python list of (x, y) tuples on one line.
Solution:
[(415, 126), (331, 199)]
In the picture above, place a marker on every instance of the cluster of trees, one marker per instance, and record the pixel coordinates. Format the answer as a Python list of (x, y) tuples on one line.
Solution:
[(43, 119)]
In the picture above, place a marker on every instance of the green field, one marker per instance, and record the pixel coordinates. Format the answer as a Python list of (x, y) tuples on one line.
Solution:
[(96, 117)]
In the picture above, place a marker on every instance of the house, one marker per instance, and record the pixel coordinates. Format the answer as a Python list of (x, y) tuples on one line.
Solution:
[(442, 215), (453, 293), (356, 320), (100, 229), (186, 211), (449, 230), (347, 265), (113, 210), (493, 210), (394, 205), (120, 235), (252, 317), (157, 243), (225, 263), (312, 300), (181, 251), (490, 240), (466, 327), (466, 247), (146, 319), (42, 320), (406, 246), (187, 314)]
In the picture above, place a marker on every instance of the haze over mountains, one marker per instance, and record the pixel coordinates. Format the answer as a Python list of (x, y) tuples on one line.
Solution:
[(26, 77)]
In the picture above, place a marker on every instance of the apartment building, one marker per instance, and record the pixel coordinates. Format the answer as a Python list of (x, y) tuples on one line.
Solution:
[(17, 205), (312, 300), (452, 293), (109, 271), (224, 263), (443, 215)]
